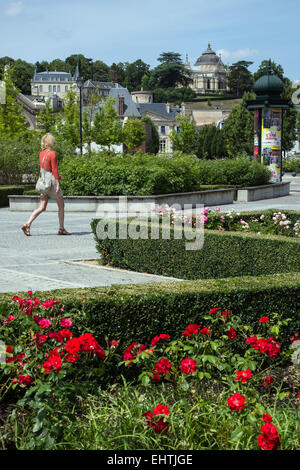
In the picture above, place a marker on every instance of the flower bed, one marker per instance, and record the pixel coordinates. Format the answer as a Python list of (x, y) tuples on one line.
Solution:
[(51, 359)]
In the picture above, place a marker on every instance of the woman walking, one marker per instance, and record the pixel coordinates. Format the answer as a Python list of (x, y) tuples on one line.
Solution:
[(48, 161)]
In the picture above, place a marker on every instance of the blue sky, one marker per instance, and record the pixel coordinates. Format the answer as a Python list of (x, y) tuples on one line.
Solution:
[(126, 30)]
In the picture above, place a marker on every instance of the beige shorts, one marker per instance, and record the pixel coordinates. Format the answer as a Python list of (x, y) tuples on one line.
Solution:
[(51, 193)]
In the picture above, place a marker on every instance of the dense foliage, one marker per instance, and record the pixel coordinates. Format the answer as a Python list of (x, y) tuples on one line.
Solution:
[(142, 174)]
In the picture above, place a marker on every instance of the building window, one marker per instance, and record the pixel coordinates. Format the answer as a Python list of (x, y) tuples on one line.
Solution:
[(50, 88), (208, 84), (41, 88), (58, 88), (178, 129), (54, 88), (162, 129), (162, 145), (66, 88)]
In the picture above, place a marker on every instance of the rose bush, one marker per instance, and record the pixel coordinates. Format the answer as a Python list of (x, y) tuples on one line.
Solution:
[(47, 365)]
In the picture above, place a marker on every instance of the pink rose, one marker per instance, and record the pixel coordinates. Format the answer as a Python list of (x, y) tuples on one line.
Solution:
[(44, 323), (65, 322)]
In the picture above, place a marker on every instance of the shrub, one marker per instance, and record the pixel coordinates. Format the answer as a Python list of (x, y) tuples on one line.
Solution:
[(290, 165), (19, 158), (6, 191), (224, 254), (143, 174)]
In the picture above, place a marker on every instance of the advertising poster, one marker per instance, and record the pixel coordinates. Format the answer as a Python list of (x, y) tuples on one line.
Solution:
[(256, 134), (271, 141)]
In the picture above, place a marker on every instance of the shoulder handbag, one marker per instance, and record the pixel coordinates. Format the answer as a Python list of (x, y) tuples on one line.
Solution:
[(44, 182)]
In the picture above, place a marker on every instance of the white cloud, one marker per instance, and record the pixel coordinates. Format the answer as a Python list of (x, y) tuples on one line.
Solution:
[(239, 54), (14, 8)]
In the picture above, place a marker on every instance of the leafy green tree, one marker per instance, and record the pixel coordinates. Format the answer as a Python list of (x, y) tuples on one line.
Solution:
[(87, 120), (86, 69), (43, 66), (167, 57), (100, 71), (170, 73), (107, 129), (46, 119), (240, 80), (58, 65), (152, 146), (12, 119), (134, 74), (116, 73), (133, 133), (238, 129), (68, 125), (186, 139), (265, 67)]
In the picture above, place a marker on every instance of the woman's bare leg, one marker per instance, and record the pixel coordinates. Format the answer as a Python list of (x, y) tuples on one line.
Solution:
[(61, 212), (38, 211)]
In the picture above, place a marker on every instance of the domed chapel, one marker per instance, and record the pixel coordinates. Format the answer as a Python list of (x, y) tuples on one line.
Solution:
[(210, 74)]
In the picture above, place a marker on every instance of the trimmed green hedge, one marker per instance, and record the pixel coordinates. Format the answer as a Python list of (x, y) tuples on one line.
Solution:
[(224, 254), (143, 174), (6, 191), (138, 312)]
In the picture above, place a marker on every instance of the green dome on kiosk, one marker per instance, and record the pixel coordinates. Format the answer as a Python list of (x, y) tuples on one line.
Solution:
[(268, 85)]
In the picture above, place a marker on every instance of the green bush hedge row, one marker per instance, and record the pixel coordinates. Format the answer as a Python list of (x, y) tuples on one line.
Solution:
[(6, 191), (143, 174), (224, 254), (291, 164), (138, 312)]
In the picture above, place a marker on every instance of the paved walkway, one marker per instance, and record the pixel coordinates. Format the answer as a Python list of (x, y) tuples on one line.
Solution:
[(46, 261)]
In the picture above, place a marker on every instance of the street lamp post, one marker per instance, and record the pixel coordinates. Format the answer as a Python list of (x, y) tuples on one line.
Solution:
[(79, 82)]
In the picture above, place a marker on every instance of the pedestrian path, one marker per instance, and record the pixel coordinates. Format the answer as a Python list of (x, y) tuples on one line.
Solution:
[(46, 261)]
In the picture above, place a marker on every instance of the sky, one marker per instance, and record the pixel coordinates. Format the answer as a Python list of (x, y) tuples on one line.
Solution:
[(127, 30)]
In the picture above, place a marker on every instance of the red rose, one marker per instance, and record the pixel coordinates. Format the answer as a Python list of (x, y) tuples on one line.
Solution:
[(205, 331), (158, 337), (161, 410), (188, 366), (160, 426), (191, 329), (243, 375), (236, 402), (73, 345), (264, 320), (44, 323), (231, 333), (25, 380), (268, 380), (267, 418), (156, 377), (163, 366), (213, 310), (53, 363), (72, 357)]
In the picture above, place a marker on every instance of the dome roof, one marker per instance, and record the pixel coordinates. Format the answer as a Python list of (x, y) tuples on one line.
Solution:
[(209, 57), (268, 85)]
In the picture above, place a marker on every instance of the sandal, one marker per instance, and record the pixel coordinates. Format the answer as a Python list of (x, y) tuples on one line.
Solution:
[(62, 231), (26, 230)]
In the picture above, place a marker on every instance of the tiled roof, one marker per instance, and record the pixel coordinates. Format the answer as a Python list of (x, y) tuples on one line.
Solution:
[(158, 108)]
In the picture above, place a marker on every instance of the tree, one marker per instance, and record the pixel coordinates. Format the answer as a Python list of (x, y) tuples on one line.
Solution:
[(107, 129), (85, 65), (12, 120), (68, 126), (240, 79), (186, 139), (167, 57), (170, 73), (100, 71), (133, 133), (46, 119), (238, 129), (134, 74), (87, 121), (116, 73), (153, 145), (265, 67)]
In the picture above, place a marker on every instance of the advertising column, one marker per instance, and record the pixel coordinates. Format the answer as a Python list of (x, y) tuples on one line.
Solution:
[(271, 141)]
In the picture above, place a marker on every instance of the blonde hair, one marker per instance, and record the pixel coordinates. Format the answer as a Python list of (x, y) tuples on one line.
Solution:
[(47, 142)]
